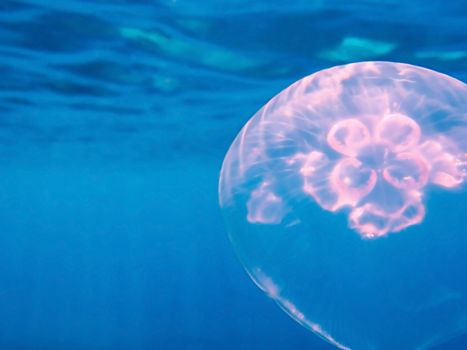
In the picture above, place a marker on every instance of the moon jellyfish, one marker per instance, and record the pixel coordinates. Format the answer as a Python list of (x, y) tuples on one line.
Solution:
[(344, 198)]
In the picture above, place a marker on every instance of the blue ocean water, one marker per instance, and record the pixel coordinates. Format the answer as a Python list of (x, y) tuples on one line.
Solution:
[(115, 118)]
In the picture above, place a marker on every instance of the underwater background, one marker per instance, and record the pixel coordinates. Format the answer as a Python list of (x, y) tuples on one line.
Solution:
[(115, 117)]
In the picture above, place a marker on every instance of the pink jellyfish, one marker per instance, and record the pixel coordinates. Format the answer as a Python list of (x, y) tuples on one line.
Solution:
[(344, 197), (365, 139)]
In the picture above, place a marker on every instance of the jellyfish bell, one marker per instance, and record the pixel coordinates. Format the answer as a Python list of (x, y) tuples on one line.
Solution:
[(343, 198)]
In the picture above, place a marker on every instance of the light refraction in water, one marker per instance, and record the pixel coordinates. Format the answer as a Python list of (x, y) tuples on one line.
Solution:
[(330, 194)]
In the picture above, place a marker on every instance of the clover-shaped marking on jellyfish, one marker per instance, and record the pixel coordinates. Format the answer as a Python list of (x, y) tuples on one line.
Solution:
[(376, 156)]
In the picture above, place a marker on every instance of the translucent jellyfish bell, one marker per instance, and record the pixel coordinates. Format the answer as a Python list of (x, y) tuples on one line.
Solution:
[(345, 199)]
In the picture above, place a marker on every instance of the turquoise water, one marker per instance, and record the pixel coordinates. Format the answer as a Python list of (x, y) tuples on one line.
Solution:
[(115, 118)]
